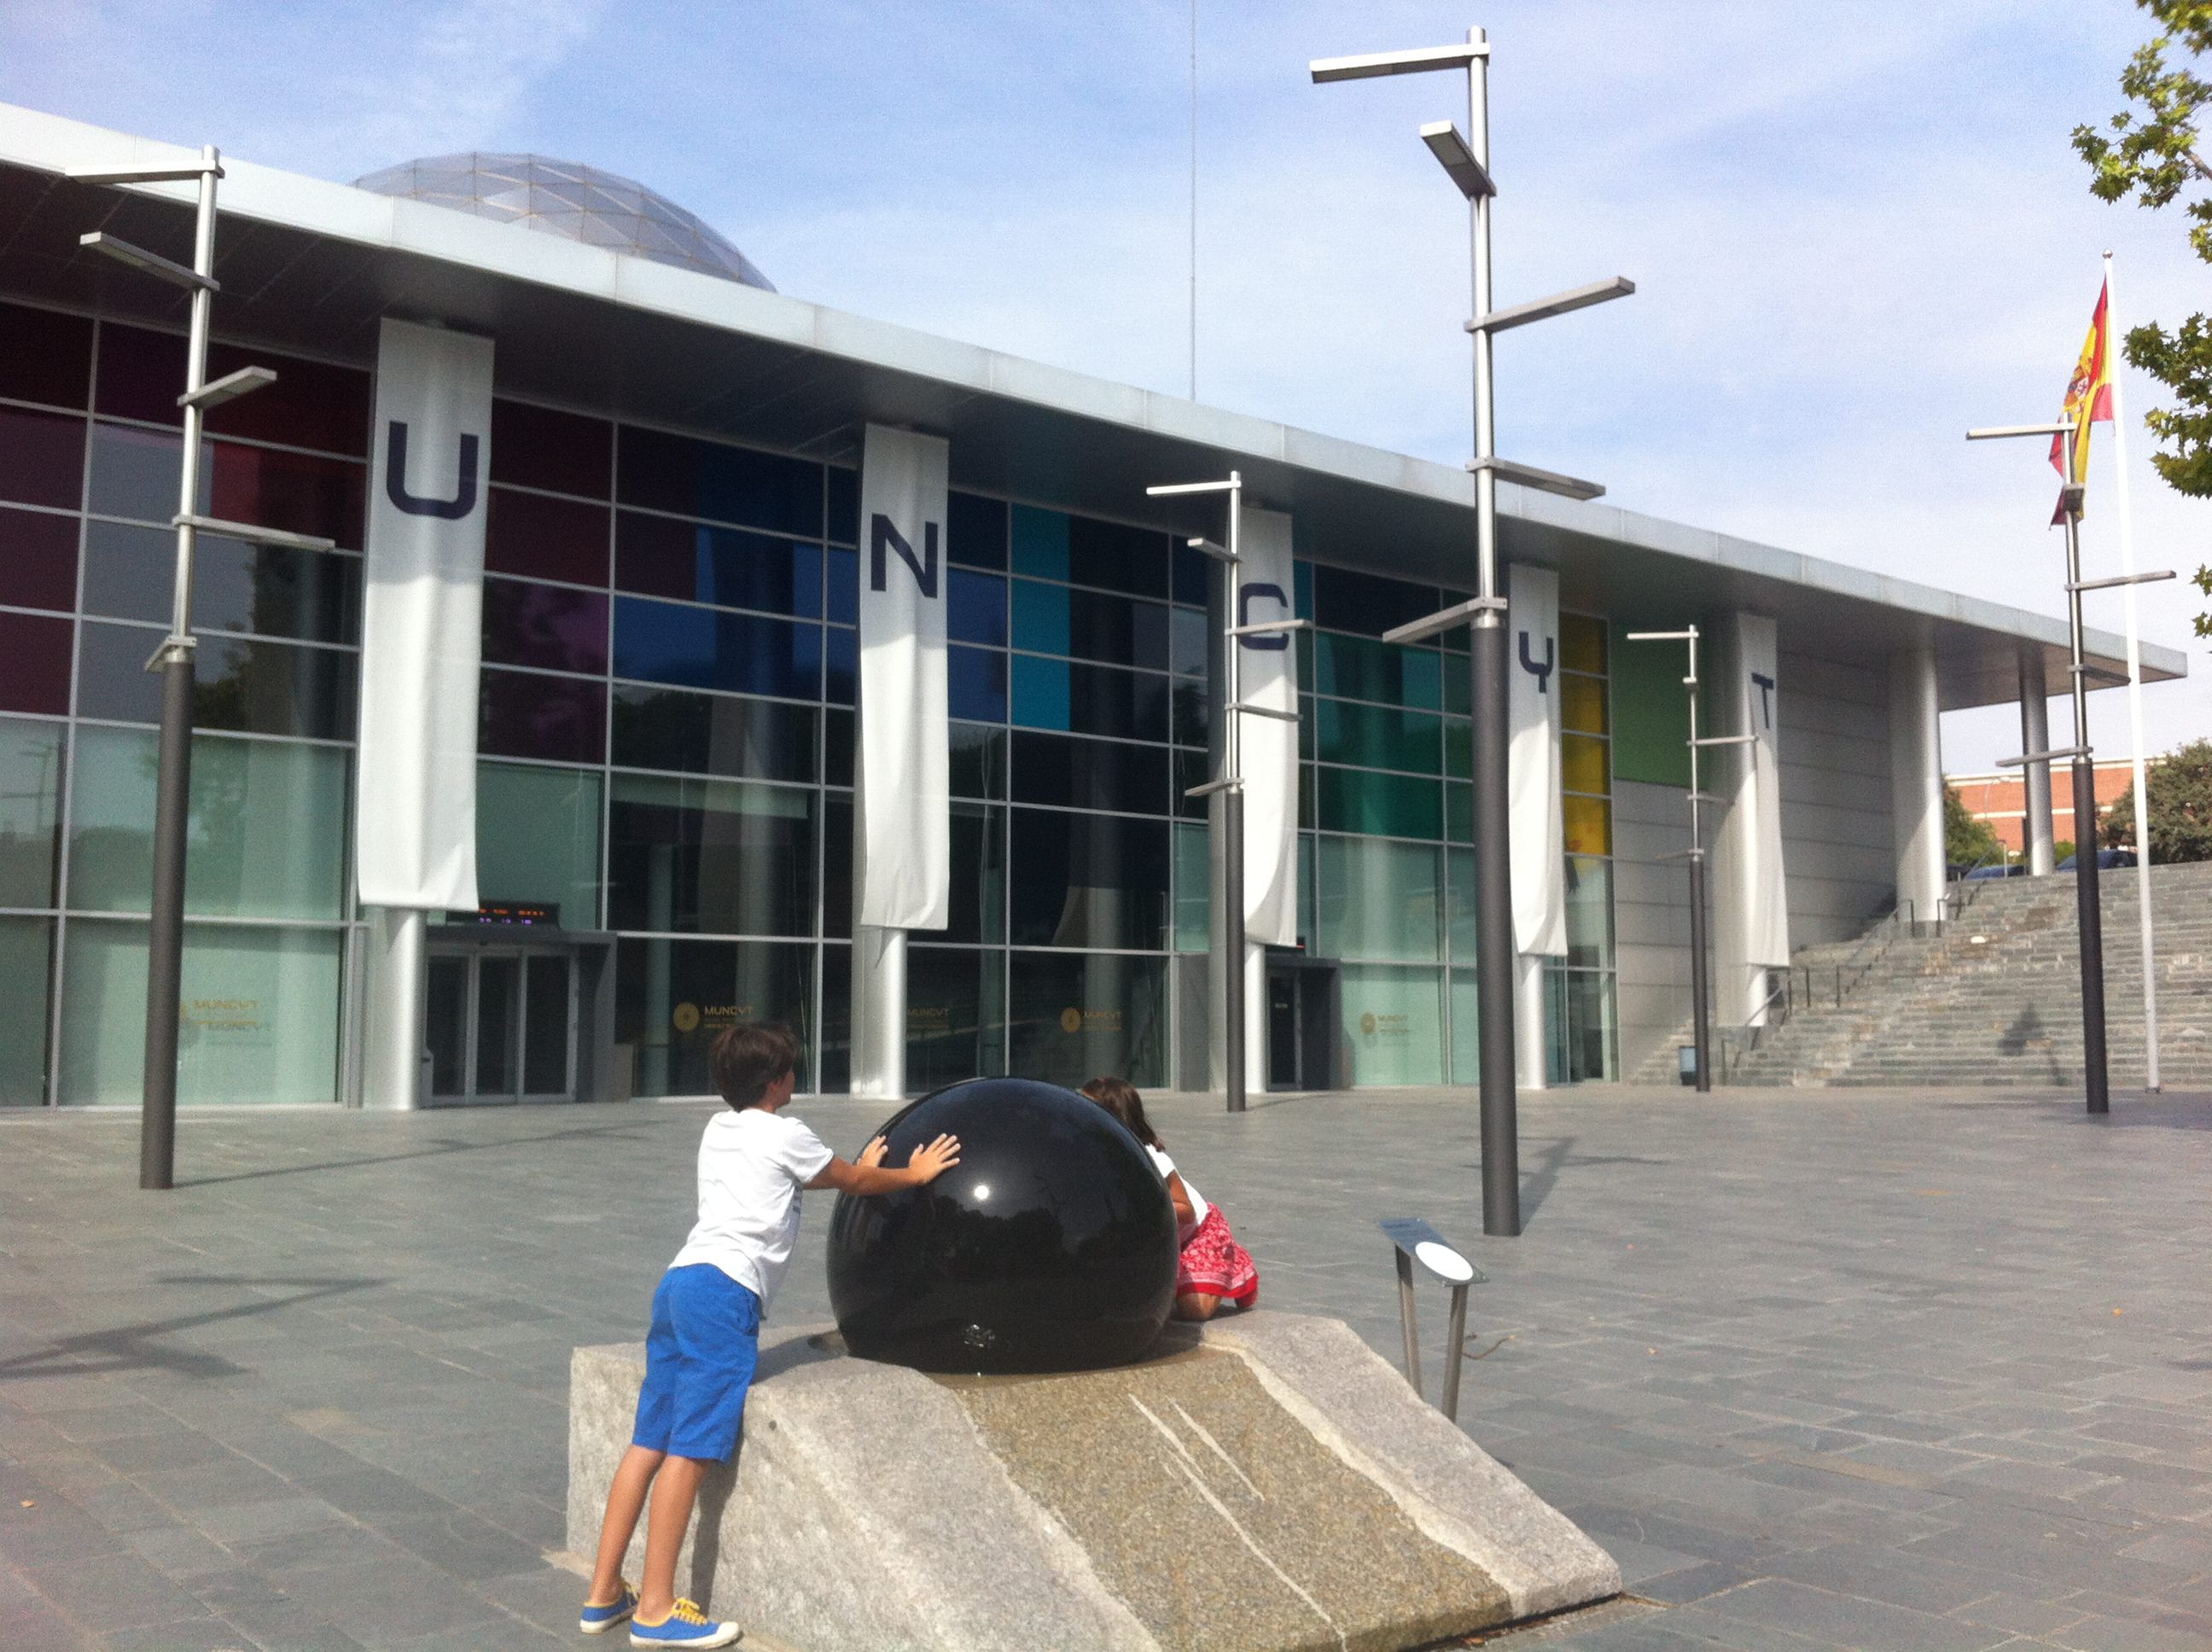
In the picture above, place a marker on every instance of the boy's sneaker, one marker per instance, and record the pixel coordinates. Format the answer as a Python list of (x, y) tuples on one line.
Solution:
[(598, 1620), (685, 1626)]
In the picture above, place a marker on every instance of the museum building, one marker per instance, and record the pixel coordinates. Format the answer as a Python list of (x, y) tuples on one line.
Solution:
[(666, 695)]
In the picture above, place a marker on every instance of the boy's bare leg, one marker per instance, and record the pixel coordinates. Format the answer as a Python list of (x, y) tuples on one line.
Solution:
[(675, 1489), (625, 1503), (1196, 1305)]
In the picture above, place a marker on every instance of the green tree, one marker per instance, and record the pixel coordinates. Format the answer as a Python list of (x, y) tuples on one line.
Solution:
[(2178, 789), (1968, 840), (2151, 153)]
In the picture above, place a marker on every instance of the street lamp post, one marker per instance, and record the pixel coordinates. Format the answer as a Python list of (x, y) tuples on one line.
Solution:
[(1466, 159), (2090, 916), (164, 928), (1701, 1017), (1229, 783)]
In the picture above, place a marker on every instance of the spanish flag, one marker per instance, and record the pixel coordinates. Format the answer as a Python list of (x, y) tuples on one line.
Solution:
[(2088, 399)]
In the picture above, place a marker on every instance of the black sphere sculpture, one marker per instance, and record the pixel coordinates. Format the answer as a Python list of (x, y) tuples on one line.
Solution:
[(1050, 1247)]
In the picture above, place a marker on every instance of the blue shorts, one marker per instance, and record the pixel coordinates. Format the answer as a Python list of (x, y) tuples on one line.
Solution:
[(699, 1360)]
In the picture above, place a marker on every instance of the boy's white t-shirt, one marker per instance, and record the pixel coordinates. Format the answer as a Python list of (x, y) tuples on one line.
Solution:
[(1198, 1204), (752, 1164)]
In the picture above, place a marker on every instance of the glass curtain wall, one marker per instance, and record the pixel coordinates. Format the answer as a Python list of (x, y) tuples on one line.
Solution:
[(88, 463), (1584, 1042)]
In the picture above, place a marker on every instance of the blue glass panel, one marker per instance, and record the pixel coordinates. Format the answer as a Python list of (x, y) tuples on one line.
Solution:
[(844, 506), (1192, 575), (975, 530), (737, 485), (657, 556), (1040, 617), (844, 586), (1041, 692), (841, 666), (1117, 557), (977, 684), (702, 648), (1040, 543), (1079, 699), (977, 611)]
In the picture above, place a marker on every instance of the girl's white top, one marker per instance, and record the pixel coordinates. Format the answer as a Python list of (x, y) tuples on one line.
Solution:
[(1198, 1204)]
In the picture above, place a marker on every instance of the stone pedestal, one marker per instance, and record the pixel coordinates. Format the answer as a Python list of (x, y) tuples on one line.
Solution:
[(1272, 1484)]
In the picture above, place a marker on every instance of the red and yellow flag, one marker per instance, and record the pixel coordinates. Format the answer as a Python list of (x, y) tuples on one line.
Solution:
[(2089, 400)]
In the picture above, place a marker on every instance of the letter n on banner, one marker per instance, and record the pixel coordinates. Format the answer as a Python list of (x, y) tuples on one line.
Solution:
[(1268, 676), (414, 792), (1532, 700), (901, 788)]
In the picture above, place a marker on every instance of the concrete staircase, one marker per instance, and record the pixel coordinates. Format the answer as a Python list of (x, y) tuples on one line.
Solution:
[(1990, 996)]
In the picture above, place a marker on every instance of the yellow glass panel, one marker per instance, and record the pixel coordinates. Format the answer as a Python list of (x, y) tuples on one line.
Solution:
[(1582, 704), (1590, 825), (1582, 764), (1582, 643)]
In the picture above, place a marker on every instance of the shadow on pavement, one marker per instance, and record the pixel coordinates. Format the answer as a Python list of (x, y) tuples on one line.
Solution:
[(136, 1347), (435, 1148)]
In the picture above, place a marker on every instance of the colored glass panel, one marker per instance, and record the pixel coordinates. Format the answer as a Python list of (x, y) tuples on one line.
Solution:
[(550, 626), (714, 734), (1380, 900), (1359, 668), (542, 538), (1346, 600), (1194, 889), (840, 665), (34, 662), (975, 608), (1581, 644), (657, 556), (1191, 573), (311, 404), (976, 685), (37, 560), (42, 458), (703, 648), (30, 810), (1581, 704), (542, 448), (1393, 1024), (27, 947), (1040, 543), (1053, 693), (1650, 710), (741, 486), (1590, 825), (537, 839), (1089, 880), (1385, 806), (1582, 764), (45, 356), (1072, 773), (245, 686), (527, 714), (271, 590), (975, 529), (844, 506), (1376, 736), (1117, 557)]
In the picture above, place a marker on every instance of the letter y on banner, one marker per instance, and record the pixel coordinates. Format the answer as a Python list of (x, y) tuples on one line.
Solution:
[(901, 788)]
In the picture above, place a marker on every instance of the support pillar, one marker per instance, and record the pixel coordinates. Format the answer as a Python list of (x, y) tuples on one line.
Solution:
[(392, 1063), (879, 1013), (1530, 1045), (1915, 777), (2036, 834)]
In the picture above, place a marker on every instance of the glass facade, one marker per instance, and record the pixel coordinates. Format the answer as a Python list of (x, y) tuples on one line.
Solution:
[(666, 746)]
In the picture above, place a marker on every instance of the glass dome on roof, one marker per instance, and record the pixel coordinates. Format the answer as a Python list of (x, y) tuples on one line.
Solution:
[(581, 202)]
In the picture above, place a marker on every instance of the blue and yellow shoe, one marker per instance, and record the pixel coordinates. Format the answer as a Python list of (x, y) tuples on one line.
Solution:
[(598, 1620), (685, 1625)]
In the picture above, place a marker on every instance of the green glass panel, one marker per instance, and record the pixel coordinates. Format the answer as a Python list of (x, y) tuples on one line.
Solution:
[(1360, 668), (1459, 748), (1193, 888), (1589, 912), (1382, 805), (1650, 708), (267, 832), (1582, 643), (537, 839), (30, 806), (1460, 907), (1459, 678), (1590, 825), (1040, 543), (1040, 617), (1302, 588), (1380, 899), (26, 947), (1465, 1028), (1458, 813), (1583, 765), (1376, 736), (1581, 704), (1393, 1024), (260, 1018)]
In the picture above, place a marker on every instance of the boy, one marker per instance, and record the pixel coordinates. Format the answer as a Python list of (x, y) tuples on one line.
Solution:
[(705, 1322)]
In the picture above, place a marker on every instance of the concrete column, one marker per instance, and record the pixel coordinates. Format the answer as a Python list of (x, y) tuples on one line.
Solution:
[(2035, 736), (391, 1060), (1915, 779), (879, 1012), (1530, 1044)]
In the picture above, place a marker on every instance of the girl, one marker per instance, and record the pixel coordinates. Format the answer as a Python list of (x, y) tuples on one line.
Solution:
[(1213, 1267)]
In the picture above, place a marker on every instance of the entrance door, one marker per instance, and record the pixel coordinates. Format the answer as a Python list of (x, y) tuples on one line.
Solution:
[(1286, 994), (500, 1025)]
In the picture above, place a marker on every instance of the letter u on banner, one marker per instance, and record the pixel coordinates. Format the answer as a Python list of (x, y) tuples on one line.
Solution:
[(1268, 676), (901, 788), (415, 792), (1532, 700)]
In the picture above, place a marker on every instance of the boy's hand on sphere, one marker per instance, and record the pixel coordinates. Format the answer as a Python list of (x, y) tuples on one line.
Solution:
[(932, 1162), (872, 1154)]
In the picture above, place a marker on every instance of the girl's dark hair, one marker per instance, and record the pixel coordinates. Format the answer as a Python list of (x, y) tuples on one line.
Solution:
[(1119, 1097), (744, 1060)]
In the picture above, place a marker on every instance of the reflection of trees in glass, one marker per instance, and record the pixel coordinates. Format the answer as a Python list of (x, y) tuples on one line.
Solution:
[(29, 807)]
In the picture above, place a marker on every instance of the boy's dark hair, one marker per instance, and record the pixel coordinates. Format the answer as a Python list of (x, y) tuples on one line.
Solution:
[(1119, 1097), (744, 1060)]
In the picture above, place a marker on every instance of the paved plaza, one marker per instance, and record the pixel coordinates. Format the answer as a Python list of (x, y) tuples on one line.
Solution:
[(1923, 1370)]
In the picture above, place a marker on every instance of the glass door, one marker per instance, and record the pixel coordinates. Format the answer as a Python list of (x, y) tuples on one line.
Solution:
[(500, 1025)]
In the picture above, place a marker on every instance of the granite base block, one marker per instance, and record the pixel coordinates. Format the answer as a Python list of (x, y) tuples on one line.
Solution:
[(1269, 1484)]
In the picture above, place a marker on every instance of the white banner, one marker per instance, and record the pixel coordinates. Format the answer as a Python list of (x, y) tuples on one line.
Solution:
[(1267, 677), (1750, 899), (901, 791), (1539, 836), (415, 789)]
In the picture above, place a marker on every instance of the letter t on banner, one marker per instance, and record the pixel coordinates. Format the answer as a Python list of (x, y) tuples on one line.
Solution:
[(902, 838)]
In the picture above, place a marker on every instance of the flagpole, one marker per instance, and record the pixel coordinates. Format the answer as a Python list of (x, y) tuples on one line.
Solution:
[(2134, 699)]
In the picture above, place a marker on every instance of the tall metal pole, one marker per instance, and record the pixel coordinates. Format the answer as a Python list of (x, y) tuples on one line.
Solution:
[(1493, 819), (165, 929), (2086, 903), (1701, 1012), (1232, 815)]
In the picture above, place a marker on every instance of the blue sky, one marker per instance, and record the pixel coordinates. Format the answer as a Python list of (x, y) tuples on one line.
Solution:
[(1854, 231)]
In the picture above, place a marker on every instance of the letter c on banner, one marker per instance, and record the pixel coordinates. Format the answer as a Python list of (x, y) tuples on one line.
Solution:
[(1246, 596), (395, 479)]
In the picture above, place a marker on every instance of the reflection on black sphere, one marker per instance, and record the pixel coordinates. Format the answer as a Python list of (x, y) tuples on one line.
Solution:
[(1050, 1247)]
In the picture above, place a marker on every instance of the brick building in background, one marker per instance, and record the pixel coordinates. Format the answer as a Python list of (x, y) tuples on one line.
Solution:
[(2001, 800)]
